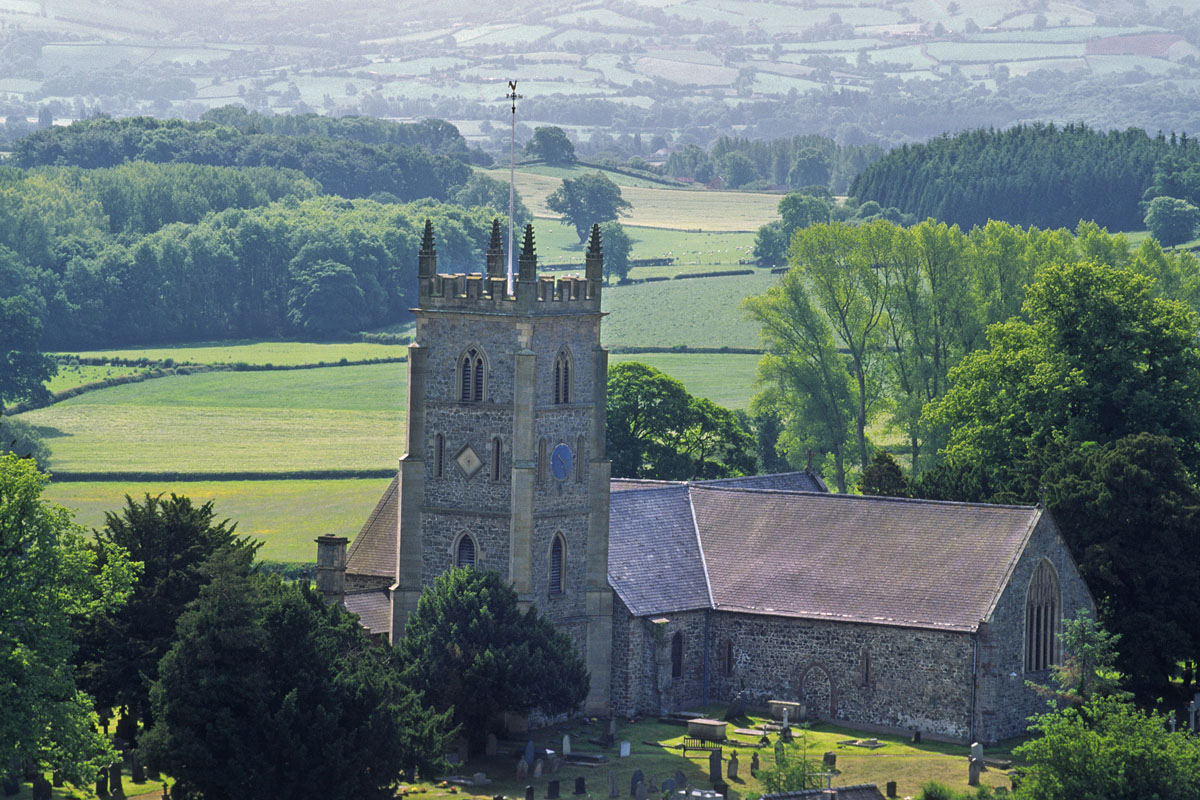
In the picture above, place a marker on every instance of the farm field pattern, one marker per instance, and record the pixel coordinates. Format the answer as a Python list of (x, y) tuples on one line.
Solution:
[(215, 54)]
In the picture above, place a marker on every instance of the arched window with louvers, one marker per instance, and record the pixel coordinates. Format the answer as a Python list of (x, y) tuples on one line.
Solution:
[(465, 551), (472, 376), (558, 565), (563, 391)]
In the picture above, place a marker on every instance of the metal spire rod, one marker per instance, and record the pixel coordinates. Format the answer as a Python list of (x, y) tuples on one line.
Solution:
[(512, 174)]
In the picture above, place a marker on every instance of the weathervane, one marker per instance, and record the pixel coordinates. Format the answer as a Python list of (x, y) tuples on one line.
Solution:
[(512, 172)]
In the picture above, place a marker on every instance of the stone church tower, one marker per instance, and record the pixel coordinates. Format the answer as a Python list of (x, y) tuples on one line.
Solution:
[(505, 465)]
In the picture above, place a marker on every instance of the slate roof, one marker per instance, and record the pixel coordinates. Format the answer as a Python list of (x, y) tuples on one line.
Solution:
[(802, 481), (374, 610), (373, 551), (913, 563), (654, 559)]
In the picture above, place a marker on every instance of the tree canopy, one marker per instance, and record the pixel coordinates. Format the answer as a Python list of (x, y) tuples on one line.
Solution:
[(24, 370), (587, 200), (616, 244), (550, 144), (173, 539), (49, 576), (1172, 221), (268, 692), (656, 429), (470, 650)]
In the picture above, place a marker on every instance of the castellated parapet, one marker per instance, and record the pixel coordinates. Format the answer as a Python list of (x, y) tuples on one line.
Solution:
[(489, 291)]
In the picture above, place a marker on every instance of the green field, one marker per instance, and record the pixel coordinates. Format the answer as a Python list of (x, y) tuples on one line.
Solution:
[(702, 312), (330, 418), (693, 252), (69, 376), (725, 378), (285, 515), (247, 352), (659, 206)]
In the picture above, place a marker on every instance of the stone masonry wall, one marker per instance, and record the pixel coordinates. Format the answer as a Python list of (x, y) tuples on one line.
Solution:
[(641, 676), (1004, 701)]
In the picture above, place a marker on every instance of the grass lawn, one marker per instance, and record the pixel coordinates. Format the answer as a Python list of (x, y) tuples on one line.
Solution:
[(330, 418), (910, 766), (285, 515), (255, 352)]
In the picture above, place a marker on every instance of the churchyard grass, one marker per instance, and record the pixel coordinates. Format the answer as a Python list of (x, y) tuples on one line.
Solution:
[(254, 352), (285, 515)]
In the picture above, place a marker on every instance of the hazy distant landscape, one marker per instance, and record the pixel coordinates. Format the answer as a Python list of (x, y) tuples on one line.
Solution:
[(882, 71)]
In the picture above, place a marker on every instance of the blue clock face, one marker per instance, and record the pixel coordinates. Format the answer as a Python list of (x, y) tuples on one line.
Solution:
[(561, 460)]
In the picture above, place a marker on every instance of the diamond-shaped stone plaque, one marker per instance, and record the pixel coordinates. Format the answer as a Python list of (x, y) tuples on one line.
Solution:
[(468, 461)]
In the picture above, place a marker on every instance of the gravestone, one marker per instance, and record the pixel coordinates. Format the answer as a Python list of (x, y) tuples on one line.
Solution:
[(714, 766), (680, 779), (612, 784), (634, 780), (137, 773), (977, 751), (1171, 722), (114, 779), (491, 747), (624, 748), (539, 766), (652, 784), (785, 717), (754, 764), (522, 769), (916, 737), (829, 761), (668, 786), (529, 793), (529, 752), (552, 790), (891, 788), (580, 786), (641, 792), (732, 771), (479, 779), (785, 733), (566, 744), (973, 769), (721, 788), (780, 754)]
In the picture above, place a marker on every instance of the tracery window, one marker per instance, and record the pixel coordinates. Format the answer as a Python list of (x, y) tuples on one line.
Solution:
[(562, 377), (1043, 613), (472, 376), (558, 554)]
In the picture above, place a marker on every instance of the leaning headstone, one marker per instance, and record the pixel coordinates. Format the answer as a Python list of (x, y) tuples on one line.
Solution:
[(624, 748), (780, 754), (668, 786), (539, 766), (641, 791), (522, 769), (492, 746), (580, 786), (732, 771), (714, 767), (612, 784), (754, 764), (552, 790), (566, 744), (973, 771), (529, 752), (634, 780), (891, 788), (529, 793), (114, 780)]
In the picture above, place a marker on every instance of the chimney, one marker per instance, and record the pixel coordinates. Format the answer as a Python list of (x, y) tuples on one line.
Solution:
[(331, 567)]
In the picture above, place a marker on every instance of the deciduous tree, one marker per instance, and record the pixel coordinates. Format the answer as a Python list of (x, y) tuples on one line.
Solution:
[(550, 143), (587, 200)]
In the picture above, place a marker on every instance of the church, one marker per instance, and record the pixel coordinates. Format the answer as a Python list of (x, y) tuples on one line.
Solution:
[(879, 613)]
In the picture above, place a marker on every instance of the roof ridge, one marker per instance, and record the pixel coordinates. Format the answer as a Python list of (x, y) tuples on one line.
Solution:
[(712, 603), (871, 497)]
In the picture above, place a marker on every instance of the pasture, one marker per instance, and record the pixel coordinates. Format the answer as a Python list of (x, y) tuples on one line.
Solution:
[(693, 252), (285, 515), (255, 352)]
